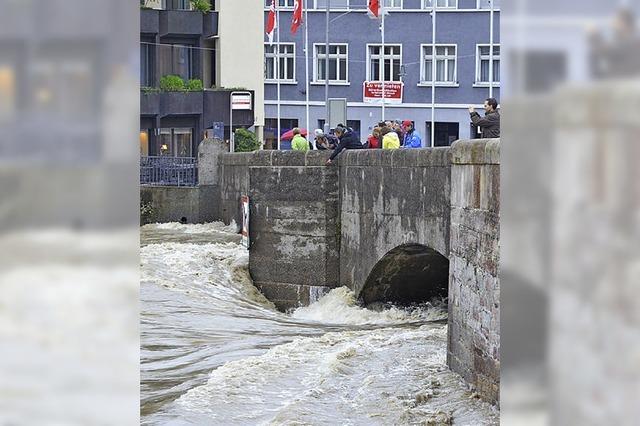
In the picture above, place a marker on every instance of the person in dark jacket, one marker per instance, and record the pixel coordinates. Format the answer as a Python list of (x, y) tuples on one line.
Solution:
[(325, 142), (348, 140), (490, 123)]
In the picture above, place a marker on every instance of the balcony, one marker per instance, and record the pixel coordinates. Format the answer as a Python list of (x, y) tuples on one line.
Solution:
[(213, 104), (149, 21), (171, 103), (178, 103), (180, 22), (149, 103), (210, 25)]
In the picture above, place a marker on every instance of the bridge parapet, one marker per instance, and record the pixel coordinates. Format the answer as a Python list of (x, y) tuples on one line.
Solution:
[(474, 286)]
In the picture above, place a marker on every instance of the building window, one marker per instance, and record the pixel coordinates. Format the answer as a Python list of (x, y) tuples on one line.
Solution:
[(445, 133), (392, 4), (177, 60), (144, 142), (445, 64), (486, 4), (280, 3), (177, 5), (338, 63), (335, 4), (175, 142), (483, 58), (271, 132), (440, 4), (390, 69), (146, 65), (287, 62)]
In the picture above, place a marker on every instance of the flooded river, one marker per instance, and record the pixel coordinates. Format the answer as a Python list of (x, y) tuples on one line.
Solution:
[(215, 352)]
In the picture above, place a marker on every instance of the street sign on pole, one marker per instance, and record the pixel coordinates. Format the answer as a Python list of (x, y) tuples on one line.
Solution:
[(377, 92), (244, 200), (239, 101)]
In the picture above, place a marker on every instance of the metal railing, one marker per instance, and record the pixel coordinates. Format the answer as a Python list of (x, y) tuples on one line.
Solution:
[(170, 171)]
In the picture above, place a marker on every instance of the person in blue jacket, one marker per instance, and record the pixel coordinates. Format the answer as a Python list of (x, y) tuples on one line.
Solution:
[(411, 137)]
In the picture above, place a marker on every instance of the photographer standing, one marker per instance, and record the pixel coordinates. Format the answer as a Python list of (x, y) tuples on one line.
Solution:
[(490, 123)]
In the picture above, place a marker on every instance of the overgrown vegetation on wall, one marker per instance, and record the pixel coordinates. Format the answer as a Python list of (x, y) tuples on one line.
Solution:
[(203, 6)]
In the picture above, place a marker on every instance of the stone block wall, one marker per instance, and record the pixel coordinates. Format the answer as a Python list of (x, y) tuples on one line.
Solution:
[(294, 227), (233, 178), (390, 198), (474, 286), (171, 203)]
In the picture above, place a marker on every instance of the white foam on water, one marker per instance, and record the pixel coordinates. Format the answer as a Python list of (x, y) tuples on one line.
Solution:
[(220, 269), (314, 366), (383, 376), (195, 228), (340, 306)]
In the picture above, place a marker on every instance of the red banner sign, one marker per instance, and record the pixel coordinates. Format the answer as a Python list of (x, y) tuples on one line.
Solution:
[(372, 92)]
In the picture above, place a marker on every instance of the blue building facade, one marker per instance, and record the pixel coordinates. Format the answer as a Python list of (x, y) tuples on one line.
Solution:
[(462, 64)]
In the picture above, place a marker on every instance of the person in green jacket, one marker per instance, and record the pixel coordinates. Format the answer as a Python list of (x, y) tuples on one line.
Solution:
[(299, 143)]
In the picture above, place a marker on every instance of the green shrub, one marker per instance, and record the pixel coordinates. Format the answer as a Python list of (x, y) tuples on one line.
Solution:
[(246, 141), (203, 6), (172, 83), (195, 85)]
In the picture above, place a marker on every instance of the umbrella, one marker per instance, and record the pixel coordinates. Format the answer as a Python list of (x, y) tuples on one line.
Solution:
[(289, 135)]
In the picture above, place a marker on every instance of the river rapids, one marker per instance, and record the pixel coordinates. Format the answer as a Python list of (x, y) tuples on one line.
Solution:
[(214, 351)]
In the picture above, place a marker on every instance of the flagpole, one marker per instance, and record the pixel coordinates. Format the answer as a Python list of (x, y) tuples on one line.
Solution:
[(327, 125), (433, 72), (491, 50), (384, 9), (306, 69), (278, 67)]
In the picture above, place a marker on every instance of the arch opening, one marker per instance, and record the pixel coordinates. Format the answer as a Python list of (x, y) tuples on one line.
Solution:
[(408, 274)]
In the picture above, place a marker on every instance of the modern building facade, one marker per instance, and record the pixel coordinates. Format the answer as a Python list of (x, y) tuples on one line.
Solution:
[(202, 49), (462, 40)]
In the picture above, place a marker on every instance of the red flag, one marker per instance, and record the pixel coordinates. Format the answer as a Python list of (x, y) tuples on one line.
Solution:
[(374, 9), (297, 16), (272, 24)]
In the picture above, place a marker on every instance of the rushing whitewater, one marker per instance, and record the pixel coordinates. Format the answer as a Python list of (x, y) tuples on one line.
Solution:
[(214, 351)]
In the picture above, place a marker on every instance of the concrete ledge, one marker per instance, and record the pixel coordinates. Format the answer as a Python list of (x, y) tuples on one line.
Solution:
[(421, 157), (476, 151)]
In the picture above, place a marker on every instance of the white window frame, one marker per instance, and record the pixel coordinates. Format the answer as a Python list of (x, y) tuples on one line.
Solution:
[(428, 83), (477, 82), (369, 46), (316, 64), (267, 55), (314, 4), (486, 8), (426, 5), (390, 8), (288, 4)]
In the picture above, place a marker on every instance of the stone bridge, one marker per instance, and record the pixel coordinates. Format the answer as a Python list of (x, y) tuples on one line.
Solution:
[(393, 225)]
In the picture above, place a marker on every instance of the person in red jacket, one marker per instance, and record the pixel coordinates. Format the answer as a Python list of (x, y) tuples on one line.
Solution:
[(373, 141)]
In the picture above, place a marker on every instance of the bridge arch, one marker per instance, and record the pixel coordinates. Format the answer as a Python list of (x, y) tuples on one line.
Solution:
[(409, 273)]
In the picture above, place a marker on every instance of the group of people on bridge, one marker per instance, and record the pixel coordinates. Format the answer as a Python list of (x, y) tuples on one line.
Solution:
[(389, 134)]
